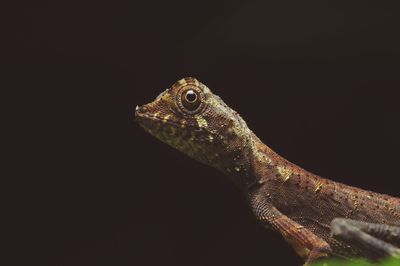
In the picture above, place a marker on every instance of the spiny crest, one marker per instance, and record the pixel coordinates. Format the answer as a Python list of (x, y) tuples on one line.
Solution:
[(184, 82)]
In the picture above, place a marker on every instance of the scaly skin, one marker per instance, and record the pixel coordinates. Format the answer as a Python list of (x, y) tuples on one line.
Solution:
[(284, 197)]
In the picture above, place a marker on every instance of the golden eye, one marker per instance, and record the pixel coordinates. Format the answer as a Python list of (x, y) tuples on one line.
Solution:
[(191, 99)]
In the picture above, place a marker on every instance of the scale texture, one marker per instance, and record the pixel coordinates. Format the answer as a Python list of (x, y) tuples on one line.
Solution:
[(284, 197)]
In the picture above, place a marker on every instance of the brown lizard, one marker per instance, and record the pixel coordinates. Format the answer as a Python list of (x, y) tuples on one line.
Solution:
[(317, 216)]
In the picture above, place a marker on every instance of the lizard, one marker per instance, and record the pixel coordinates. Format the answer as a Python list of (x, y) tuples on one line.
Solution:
[(318, 217)]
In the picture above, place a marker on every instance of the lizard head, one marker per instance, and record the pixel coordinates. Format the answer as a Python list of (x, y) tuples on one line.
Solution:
[(190, 118)]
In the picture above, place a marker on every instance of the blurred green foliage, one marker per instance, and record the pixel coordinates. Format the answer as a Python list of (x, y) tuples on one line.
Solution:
[(332, 262)]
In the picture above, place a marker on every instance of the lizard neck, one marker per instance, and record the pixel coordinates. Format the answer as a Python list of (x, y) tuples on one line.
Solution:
[(255, 163), (246, 158)]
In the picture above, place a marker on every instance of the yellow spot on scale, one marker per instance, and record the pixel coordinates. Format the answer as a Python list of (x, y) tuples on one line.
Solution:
[(201, 121), (182, 81), (285, 173), (318, 187), (299, 227), (237, 168), (183, 124), (210, 138), (166, 118), (267, 159)]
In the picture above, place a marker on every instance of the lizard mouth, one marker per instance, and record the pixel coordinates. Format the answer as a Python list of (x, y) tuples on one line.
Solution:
[(143, 117), (167, 130), (163, 128), (139, 111)]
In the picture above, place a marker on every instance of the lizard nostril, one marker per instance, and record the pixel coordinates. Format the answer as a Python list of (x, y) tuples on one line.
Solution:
[(138, 110)]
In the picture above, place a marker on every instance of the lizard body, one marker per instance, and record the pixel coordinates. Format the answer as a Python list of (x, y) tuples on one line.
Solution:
[(298, 204)]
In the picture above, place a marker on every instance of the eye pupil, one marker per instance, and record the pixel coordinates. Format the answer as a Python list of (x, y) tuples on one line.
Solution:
[(190, 100), (191, 96)]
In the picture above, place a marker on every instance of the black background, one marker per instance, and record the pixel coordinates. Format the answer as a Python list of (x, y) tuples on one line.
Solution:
[(316, 80)]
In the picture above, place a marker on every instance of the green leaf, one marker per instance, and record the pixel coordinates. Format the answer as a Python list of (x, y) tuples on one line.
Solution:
[(335, 262)]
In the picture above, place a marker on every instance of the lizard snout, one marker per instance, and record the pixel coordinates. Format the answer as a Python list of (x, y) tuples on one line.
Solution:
[(140, 110)]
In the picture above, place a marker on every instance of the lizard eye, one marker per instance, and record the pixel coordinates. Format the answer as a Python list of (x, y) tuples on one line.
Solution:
[(191, 100), (190, 96)]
